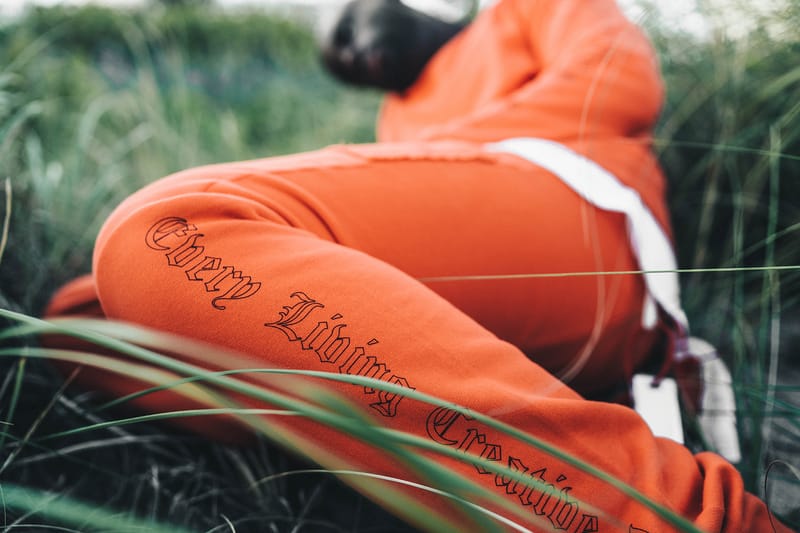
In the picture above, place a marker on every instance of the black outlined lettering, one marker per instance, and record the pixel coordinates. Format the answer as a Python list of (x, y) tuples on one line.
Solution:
[(329, 341), (292, 315), (588, 524), (544, 498), (180, 239)]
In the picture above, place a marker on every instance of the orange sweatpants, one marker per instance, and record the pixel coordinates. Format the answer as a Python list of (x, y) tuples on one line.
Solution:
[(314, 261)]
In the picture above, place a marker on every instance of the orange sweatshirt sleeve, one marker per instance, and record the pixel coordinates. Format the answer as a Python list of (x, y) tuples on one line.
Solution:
[(557, 69)]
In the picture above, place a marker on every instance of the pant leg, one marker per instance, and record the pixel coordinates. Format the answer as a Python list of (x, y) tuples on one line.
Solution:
[(455, 211), (309, 262)]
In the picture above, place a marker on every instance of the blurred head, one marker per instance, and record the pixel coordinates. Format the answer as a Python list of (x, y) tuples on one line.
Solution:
[(383, 43)]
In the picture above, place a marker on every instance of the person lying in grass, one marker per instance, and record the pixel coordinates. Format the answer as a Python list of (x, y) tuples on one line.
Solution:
[(512, 153)]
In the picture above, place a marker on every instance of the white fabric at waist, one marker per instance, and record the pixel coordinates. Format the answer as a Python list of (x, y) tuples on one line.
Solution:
[(590, 181)]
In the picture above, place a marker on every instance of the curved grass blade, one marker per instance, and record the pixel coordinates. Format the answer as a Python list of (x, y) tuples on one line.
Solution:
[(6, 219), (315, 413), (74, 513), (403, 505)]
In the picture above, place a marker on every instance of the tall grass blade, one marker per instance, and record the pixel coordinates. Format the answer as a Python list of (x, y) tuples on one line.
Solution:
[(344, 417), (74, 513), (6, 219), (12, 406)]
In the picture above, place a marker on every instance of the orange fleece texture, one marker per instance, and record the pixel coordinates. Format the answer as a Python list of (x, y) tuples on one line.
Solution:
[(314, 261)]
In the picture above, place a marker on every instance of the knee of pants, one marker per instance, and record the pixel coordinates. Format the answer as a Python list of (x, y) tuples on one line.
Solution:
[(146, 241), (178, 257)]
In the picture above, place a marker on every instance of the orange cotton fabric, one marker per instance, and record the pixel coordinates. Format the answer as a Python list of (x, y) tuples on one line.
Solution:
[(314, 261), (576, 72)]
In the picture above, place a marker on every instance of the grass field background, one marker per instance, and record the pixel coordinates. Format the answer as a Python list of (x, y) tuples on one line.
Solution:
[(95, 103)]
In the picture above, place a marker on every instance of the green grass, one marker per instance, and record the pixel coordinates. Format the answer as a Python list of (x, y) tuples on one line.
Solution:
[(94, 104), (315, 403), (730, 142)]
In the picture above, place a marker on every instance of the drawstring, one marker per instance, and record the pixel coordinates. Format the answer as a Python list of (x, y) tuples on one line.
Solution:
[(680, 363)]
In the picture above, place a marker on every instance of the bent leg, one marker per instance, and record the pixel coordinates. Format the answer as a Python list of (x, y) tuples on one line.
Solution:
[(452, 210), (248, 256)]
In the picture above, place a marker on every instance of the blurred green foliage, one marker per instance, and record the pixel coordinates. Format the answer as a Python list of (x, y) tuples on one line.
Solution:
[(116, 99), (729, 141), (261, 68)]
